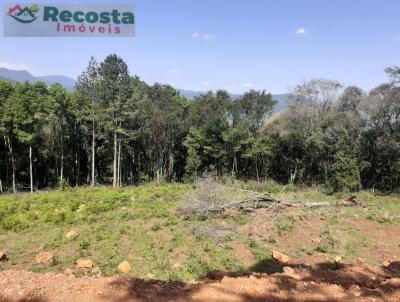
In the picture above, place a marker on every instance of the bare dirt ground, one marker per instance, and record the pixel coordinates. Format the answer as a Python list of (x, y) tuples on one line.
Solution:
[(335, 254), (295, 282)]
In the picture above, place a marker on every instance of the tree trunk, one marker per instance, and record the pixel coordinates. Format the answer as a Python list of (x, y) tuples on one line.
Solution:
[(138, 168), (119, 164), (62, 163), (115, 162), (158, 175), (93, 180), (325, 173), (293, 175), (170, 166), (76, 156), (233, 166), (236, 167), (132, 169), (76, 169), (30, 168), (258, 176), (12, 165), (5, 159)]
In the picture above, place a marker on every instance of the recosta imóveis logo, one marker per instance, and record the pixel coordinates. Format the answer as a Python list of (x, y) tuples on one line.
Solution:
[(53, 14), (85, 21), (23, 15), (70, 19)]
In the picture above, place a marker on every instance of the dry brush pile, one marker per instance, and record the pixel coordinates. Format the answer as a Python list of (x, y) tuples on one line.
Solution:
[(213, 198)]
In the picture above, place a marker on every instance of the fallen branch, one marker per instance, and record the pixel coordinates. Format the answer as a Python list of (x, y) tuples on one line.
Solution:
[(207, 203), (349, 202)]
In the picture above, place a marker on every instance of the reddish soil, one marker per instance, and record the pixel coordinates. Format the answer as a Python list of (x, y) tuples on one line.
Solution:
[(295, 283), (243, 253)]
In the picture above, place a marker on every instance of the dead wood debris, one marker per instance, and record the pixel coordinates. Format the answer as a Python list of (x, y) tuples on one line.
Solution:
[(211, 198)]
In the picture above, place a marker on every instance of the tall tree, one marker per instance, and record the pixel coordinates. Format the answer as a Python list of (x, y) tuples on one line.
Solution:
[(88, 108), (164, 125), (115, 91), (6, 125)]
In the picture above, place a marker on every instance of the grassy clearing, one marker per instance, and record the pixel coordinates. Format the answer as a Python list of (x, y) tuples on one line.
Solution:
[(139, 224), (142, 225)]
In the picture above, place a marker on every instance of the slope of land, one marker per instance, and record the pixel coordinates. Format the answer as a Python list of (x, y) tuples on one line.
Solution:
[(336, 253), (315, 283)]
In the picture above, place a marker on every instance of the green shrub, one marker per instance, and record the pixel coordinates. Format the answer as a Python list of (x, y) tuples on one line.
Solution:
[(322, 248), (57, 216), (15, 223), (344, 174), (156, 228)]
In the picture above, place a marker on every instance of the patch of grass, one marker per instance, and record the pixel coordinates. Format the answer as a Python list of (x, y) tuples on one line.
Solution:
[(196, 265), (303, 251), (355, 243), (380, 217), (240, 220), (271, 239), (15, 223), (285, 225), (259, 251), (321, 248)]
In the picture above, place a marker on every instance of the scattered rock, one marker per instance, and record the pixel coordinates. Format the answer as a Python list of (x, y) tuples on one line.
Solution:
[(316, 240), (81, 208), (124, 267), (230, 213), (338, 259), (291, 273), (84, 263), (360, 261), (3, 256), (288, 270), (280, 257), (68, 272), (355, 290), (386, 263), (71, 234), (322, 217), (96, 272), (44, 257), (150, 276)]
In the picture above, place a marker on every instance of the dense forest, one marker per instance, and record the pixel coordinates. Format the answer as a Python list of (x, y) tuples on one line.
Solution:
[(115, 128)]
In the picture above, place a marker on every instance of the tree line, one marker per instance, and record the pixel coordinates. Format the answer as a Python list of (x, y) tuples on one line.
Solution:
[(115, 128)]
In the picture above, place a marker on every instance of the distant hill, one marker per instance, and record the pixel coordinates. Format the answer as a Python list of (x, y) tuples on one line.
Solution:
[(23, 76), (282, 102), (69, 84), (280, 98), (17, 75), (5, 79), (190, 94), (66, 82)]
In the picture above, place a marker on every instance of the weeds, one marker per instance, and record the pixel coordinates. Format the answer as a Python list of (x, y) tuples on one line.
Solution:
[(142, 225), (285, 225)]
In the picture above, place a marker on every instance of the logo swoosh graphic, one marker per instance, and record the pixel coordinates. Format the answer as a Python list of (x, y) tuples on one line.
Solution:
[(21, 20)]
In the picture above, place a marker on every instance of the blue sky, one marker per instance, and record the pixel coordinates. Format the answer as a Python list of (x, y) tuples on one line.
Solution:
[(233, 44)]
